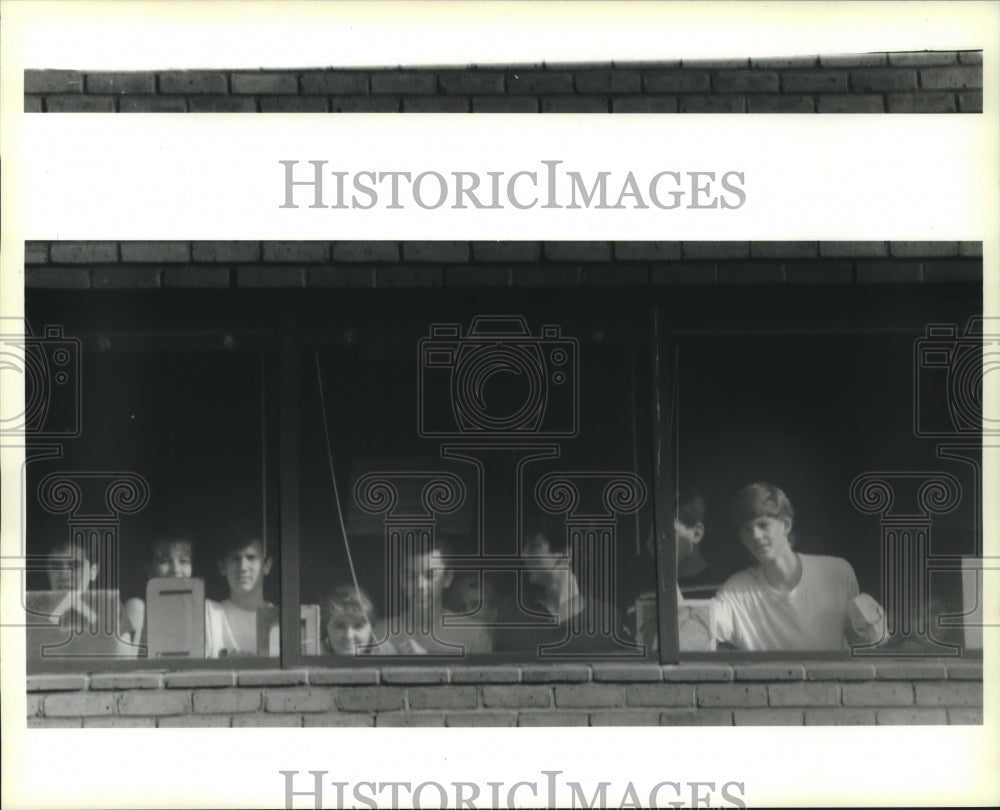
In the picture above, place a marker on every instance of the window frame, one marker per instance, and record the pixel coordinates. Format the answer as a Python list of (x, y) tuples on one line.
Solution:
[(282, 323), (854, 309), (298, 332), (198, 328)]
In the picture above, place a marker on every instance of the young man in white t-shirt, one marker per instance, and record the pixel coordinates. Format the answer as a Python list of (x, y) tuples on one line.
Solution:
[(789, 601), (231, 625)]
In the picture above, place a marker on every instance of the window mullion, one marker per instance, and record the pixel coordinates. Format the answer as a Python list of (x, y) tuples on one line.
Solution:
[(664, 445), (288, 430)]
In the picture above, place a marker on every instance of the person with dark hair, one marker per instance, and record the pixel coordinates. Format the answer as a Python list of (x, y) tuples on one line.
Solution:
[(471, 593), (169, 555), (578, 624), (696, 580), (424, 626), (789, 600), (231, 625), (71, 567), (695, 577), (78, 603)]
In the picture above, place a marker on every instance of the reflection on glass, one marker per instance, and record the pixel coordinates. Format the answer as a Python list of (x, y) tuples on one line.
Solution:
[(160, 502), (479, 485), (820, 576)]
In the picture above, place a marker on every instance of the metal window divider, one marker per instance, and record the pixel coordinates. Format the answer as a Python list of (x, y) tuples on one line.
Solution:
[(664, 426), (288, 451)]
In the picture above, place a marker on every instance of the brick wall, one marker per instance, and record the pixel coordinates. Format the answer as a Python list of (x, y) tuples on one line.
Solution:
[(826, 693), (810, 693), (923, 82), (392, 265)]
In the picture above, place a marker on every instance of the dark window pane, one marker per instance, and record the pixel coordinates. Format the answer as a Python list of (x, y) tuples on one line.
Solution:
[(830, 421), (492, 476), (168, 471)]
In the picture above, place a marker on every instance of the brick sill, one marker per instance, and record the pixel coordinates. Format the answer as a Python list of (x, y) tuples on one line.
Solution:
[(810, 670)]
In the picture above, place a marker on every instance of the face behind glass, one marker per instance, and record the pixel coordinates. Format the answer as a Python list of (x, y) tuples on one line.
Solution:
[(71, 570), (469, 593), (423, 581), (766, 537), (687, 538), (546, 573), (171, 559), (245, 568), (347, 631)]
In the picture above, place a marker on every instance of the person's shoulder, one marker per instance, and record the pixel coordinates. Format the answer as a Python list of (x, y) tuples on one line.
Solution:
[(829, 563), (398, 620), (388, 640), (385, 647), (134, 612), (134, 607), (469, 631), (741, 581)]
